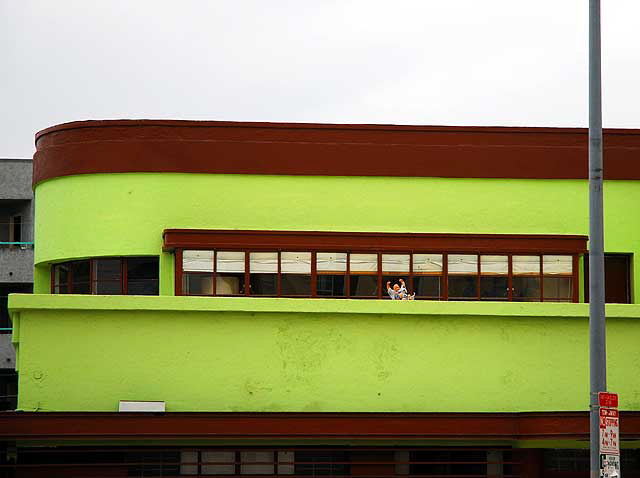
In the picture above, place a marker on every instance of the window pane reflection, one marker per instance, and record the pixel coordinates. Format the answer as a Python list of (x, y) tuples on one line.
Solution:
[(331, 280), (363, 279), (296, 273), (526, 289), (558, 289)]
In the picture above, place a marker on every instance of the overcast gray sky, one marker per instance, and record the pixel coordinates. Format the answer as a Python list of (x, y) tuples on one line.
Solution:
[(438, 62)]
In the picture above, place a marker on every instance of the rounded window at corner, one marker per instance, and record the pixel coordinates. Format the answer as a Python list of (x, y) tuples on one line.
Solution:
[(107, 276)]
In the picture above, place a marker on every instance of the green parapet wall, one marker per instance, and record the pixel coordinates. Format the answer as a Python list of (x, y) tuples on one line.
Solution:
[(85, 353), (124, 214)]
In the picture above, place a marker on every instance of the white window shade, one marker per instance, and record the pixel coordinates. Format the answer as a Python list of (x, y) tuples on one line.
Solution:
[(230, 261), (395, 262), (186, 458), (526, 265), (494, 265), (331, 262), (295, 262), (263, 462), (560, 265), (463, 264), (363, 263), (220, 458), (197, 261), (286, 461), (263, 262), (427, 263)]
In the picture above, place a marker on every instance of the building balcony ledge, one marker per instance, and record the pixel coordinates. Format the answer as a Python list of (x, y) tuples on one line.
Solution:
[(23, 302)]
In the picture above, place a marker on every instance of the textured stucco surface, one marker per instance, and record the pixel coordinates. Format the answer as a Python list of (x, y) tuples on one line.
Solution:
[(7, 352), (15, 178), (16, 265), (125, 214), (88, 352)]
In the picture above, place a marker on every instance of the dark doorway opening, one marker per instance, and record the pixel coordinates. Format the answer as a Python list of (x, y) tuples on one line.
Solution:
[(617, 278)]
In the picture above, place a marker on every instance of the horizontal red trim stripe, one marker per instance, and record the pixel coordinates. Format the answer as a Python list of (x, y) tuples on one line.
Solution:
[(370, 241), (304, 426), (331, 150)]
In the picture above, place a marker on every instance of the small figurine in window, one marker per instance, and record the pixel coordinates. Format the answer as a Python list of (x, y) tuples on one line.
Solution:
[(399, 292)]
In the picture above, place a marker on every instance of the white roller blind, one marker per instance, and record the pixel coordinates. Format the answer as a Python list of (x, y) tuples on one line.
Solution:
[(466, 264), (218, 457), (395, 262), (230, 261), (427, 263), (295, 262), (494, 265), (363, 263), (285, 462), (526, 265), (562, 265), (331, 261), (197, 261), (263, 262), (264, 459), (186, 457)]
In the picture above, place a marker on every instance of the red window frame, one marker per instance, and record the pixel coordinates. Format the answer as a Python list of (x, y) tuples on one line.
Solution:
[(123, 280), (179, 240)]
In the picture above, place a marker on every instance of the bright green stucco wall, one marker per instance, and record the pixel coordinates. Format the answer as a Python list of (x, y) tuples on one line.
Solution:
[(236, 354), (125, 214)]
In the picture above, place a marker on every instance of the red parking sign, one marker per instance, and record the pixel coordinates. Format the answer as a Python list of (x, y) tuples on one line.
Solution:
[(606, 399)]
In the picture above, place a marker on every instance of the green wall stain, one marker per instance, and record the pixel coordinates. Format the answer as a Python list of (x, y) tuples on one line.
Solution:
[(89, 352)]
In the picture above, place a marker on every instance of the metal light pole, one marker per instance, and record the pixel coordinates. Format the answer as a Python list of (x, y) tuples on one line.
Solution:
[(597, 338)]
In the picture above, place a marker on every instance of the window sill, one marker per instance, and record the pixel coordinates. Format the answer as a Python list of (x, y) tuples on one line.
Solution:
[(26, 302)]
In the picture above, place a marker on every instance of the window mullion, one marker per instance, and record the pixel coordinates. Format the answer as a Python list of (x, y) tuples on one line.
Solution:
[(379, 275), (541, 279), (177, 272), (348, 278), (279, 277), (69, 279), (510, 278), (247, 276), (478, 271), (214, 267), (124, 276), (445, 276), (575, 278), (411, 289), (314, 275)]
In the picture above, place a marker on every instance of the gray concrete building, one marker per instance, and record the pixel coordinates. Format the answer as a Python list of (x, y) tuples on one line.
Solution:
[(16, 260)]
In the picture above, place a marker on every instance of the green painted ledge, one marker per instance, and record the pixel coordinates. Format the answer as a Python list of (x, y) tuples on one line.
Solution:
[(22, 302)]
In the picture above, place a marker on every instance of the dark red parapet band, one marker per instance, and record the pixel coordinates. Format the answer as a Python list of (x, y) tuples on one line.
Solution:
[(216, 147)]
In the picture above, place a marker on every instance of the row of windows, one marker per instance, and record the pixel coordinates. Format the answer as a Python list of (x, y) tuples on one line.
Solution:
[(366, 275), (109, 276)]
